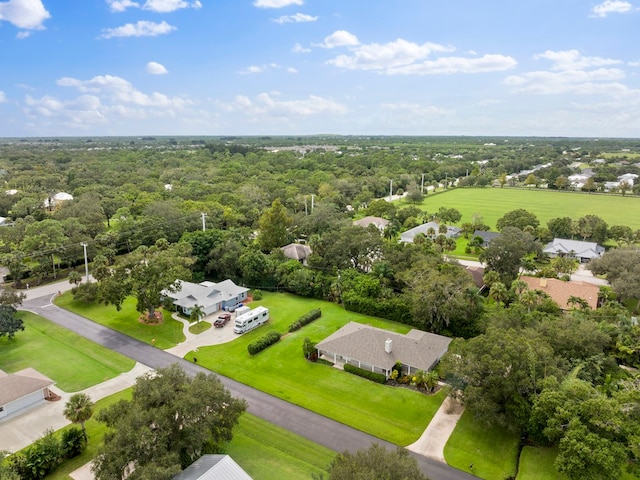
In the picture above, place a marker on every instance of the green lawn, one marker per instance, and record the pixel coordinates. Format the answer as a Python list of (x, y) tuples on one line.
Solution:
[(74, 362), (166, 335), (492, 451), (199, 327), (263, 450), (493, 203), (395, 414), (536, 463)]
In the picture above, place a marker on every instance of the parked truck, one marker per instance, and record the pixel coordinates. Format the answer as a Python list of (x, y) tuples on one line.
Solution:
[(250, 320)]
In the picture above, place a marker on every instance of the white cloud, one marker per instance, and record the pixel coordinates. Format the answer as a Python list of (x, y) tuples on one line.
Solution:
[(375, 56), (292, 70), (23, 34), (611, 6), (573, 60), (121, 5), (155, 68), (103, 100), (415, 109), (297, 18), (339, 38), (142, 28), (27, 14), (158, 6), (402, 57), (276, 3), (259, 68), (3, 97), (571, 73), (297, 48), (266, 105)]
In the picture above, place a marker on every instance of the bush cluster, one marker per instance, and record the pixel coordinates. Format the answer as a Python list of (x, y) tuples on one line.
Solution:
[(46, 453), (305, 319), (256, 294), (369, 375), (263, 342)]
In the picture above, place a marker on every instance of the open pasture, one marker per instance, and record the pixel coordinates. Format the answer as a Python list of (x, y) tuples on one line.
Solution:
[(493, 203)]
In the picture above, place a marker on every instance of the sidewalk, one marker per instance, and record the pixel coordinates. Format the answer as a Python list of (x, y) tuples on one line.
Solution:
[(432, 441)]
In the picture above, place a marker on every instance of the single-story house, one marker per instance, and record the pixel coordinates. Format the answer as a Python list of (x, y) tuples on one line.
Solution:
[(560, 291), (213, 467), (426, 229), (379, 222), (208, 295), (297, 251), (59, 197), (581, 251), (486, 237), (22, 389), (378, 350)]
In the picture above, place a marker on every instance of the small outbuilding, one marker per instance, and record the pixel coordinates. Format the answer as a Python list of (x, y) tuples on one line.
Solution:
[(297, 251)]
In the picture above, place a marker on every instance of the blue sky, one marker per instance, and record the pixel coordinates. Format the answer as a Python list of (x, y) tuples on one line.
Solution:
[(298, 67)]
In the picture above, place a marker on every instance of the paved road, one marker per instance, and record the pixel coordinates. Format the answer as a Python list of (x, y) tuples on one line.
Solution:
[(317, 428)]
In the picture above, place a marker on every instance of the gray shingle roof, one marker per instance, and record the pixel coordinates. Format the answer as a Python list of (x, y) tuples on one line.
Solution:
[(204, 294), (576, 248), (213, 467), (20, 384), (409, 235), (296, 251), (420, 350)]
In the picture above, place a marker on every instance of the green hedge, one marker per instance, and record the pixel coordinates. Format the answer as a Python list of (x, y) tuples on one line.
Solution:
[(305, 319), (390, 308), (368, 374), (263, 342)]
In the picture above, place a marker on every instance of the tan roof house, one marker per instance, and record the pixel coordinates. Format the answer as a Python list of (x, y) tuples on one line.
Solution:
[(379, 222), (22, 389), (213, 467), (560, 291), (378, 350)]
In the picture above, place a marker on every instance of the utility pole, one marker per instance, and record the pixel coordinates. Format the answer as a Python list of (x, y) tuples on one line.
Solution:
[(390, 190), (86, 263), (204, 226), (306, 212), (313, 196), (422, 185)]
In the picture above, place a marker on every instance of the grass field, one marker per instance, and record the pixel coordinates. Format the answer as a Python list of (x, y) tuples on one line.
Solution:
[(492, 451), (537, 464), (493, 203), (394, 414), (74, 362), (263, 450), (166, 335)]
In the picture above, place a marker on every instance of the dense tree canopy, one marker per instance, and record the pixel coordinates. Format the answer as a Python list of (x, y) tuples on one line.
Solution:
[(169, 423), (376, 463)]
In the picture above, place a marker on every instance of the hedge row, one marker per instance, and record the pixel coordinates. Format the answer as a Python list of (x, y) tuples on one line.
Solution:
[(389, 308), (263, 342), (305, 319), (368, 374)]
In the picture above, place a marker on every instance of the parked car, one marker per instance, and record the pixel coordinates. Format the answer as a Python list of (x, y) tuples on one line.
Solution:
[(222, 320)]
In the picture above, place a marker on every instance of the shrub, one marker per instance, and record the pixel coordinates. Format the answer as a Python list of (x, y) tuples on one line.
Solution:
[(73, 442), (369, 375), (263, 342), (256, 294), (390, 308), (40, 459), (305, 319), (85, 292)]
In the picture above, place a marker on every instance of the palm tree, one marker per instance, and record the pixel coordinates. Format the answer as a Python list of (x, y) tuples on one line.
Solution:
[(79, 409), (499, 293), (197, 312)]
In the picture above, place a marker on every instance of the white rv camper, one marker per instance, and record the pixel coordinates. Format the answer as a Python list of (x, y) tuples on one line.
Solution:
[(250, 320)]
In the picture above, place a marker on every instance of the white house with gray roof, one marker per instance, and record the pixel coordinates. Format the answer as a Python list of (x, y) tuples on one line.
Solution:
[(582, 251), (210, 296), (22, 389), (378, 350)]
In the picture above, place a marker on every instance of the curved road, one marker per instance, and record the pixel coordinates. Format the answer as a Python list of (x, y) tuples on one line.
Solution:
[(305, 423)]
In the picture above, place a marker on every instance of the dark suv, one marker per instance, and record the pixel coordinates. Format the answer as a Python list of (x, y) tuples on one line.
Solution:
[(222, 320)]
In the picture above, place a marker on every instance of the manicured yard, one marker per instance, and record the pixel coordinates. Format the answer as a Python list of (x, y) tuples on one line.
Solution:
[(493, 203), (74, 362), (492, 451), (536, 463), (263, 450), (395, 414), (166, 335), (199, 327)]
